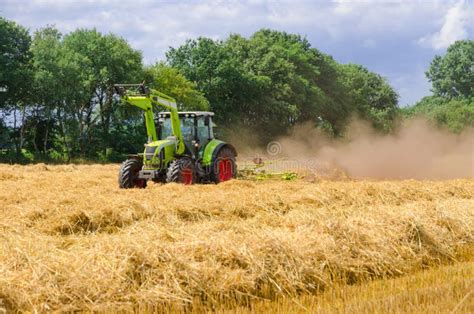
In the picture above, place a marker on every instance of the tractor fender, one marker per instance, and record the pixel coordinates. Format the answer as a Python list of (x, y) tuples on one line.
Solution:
[(212, 149), (135, 156)]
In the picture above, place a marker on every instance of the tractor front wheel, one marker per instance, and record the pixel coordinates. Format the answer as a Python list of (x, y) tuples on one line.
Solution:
[(181, 171), (128, 175)]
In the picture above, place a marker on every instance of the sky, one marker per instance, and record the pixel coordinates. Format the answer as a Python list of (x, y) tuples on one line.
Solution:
[(397, 39)]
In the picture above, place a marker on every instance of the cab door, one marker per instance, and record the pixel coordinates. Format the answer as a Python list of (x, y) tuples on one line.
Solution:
[(204, 132)]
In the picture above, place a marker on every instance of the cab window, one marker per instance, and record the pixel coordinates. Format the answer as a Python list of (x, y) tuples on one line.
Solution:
[(187, 128), (165, 128), (203, 131)]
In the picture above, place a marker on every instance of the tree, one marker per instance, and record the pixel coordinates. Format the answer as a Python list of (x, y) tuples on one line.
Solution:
[(95, 62), (60, 88), (452, 78), (15, 56), (455, 114), (452, 75), (247, 81), (370, 95), (169, 81), (273, 80), (49, 91), (15, 76)]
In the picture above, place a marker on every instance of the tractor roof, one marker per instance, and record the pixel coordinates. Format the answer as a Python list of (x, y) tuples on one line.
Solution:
[(182, 113)]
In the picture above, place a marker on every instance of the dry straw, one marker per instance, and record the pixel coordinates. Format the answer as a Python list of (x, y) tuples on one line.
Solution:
[(70, 239)]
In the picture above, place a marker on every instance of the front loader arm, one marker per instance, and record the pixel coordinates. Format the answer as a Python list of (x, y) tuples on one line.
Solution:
[(145, 99)]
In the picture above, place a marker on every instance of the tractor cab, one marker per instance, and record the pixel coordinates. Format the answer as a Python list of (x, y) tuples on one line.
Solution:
[(196, 129)]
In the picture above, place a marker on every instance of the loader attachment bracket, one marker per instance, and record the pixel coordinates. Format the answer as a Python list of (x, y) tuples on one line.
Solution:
[(131, 90)]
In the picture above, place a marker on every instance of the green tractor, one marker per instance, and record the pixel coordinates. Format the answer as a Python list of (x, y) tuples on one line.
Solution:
[(182, 149)]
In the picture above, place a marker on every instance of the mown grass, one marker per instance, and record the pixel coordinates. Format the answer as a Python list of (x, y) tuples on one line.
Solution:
[(446, 289), (442, 289), (70, 239)]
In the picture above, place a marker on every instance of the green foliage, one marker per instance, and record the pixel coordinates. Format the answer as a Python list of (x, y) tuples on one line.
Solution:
[(96, 62), (48, 72), (57, 156), (455, 114), (452, 75), (10, 156), (15, 57), (72, 106), (4, 135), (168, 80), (370, 95), (273, 80), (289, 176), (61, 101), (110, 155)]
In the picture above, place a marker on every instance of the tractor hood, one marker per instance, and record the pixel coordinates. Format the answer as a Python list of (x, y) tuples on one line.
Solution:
[(158, 154)]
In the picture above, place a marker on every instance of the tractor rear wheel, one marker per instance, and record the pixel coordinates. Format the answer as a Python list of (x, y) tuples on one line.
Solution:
[(128, 175), (224, 166), (181, 171)]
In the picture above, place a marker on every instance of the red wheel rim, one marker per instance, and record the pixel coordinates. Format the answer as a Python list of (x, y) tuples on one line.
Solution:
[(139, 183), (187, 175), (225, 170)]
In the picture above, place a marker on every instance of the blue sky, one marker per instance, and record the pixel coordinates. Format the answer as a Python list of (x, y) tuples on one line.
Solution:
[(397, 39)]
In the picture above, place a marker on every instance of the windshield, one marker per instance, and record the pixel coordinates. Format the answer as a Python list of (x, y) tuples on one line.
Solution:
[(165, 128), (187, 128)]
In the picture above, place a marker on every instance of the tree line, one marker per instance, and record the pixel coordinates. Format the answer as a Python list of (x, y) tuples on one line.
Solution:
[(452, 78), (57, 101)]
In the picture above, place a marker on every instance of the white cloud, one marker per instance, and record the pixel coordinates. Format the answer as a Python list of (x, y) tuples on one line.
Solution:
[(455, 27), (159, 22)]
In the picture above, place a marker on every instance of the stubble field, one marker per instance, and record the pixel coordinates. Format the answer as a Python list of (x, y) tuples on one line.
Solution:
[(70, 239)]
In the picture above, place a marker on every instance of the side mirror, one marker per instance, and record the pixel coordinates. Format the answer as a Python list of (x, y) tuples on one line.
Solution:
[(207, 120)]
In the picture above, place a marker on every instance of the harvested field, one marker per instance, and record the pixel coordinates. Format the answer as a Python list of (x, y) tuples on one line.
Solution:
[(446, 289), (70, 239)]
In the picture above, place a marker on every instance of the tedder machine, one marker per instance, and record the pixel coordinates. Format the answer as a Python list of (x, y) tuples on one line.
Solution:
[(183, 147)]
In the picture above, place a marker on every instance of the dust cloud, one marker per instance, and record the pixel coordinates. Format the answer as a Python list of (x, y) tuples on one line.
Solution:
[(416, 150)]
